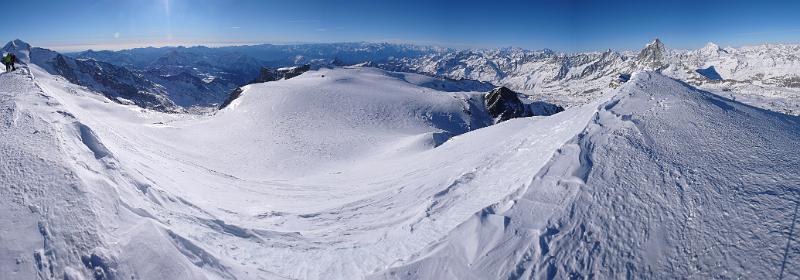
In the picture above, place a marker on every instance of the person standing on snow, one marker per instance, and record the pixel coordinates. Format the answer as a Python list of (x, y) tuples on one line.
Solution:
[(13, 60)]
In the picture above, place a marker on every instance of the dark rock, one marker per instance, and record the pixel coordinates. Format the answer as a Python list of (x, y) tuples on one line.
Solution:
[(265, 75), (291, 72), (504, 104), (623, 78), (235, 94)]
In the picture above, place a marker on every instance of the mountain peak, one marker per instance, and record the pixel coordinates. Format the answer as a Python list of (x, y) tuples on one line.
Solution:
[(17, 45), (711, 49), (653, 54), (655, 43), (655, 46), (19, 48)]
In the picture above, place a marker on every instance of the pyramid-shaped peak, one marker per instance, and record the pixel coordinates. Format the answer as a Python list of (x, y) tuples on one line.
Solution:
[(653, 55), (654, 48), (655, 44)]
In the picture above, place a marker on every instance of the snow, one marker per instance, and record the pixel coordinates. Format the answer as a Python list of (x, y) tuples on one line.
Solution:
[(357, 172), (288, 179), (666, 181), (576, 79), (765, 76), (60, 199)]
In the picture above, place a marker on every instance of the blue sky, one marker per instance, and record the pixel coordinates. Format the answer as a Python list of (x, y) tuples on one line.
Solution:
[(563, 25)]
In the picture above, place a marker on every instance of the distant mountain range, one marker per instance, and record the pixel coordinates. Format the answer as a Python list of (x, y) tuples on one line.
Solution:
[(204, 77), (357, 172), (181, 78), (576, 78)]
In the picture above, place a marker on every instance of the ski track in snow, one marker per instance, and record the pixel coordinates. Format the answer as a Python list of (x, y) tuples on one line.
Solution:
[(337, 177)]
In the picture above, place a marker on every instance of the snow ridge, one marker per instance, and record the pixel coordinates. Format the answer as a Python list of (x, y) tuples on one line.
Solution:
[(655, 186), (358, 172), (267, 193)]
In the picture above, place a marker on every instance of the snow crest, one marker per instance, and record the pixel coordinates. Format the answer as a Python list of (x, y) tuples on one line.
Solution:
[(665, 181), (352, 173)]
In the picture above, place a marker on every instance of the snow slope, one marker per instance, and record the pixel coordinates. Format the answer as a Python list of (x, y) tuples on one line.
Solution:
[(313, 177), (62, 195), (118, 83), (354, 173), (666, 181)]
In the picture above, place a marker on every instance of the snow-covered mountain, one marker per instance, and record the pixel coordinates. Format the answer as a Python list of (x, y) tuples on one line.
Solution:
[(764, 76), (202, 76), (267, 54), (665, 181), (124, 170), (115, 82), (191, 79), (358, 172), (653, 56)]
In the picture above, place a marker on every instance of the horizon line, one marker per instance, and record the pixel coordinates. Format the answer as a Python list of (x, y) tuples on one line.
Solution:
[(68, 48)]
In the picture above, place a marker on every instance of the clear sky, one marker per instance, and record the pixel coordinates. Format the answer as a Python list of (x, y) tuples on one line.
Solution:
[(563, 25)]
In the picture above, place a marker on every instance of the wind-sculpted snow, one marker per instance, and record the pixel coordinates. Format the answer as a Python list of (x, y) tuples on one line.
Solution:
[(695, 185), (329, 175), (666, 181), (61, 195), (353, 173)]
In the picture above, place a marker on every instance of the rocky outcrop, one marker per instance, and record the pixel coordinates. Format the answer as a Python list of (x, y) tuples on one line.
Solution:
[(291, 72), (504, 104), (265, 75), (234, 95)]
